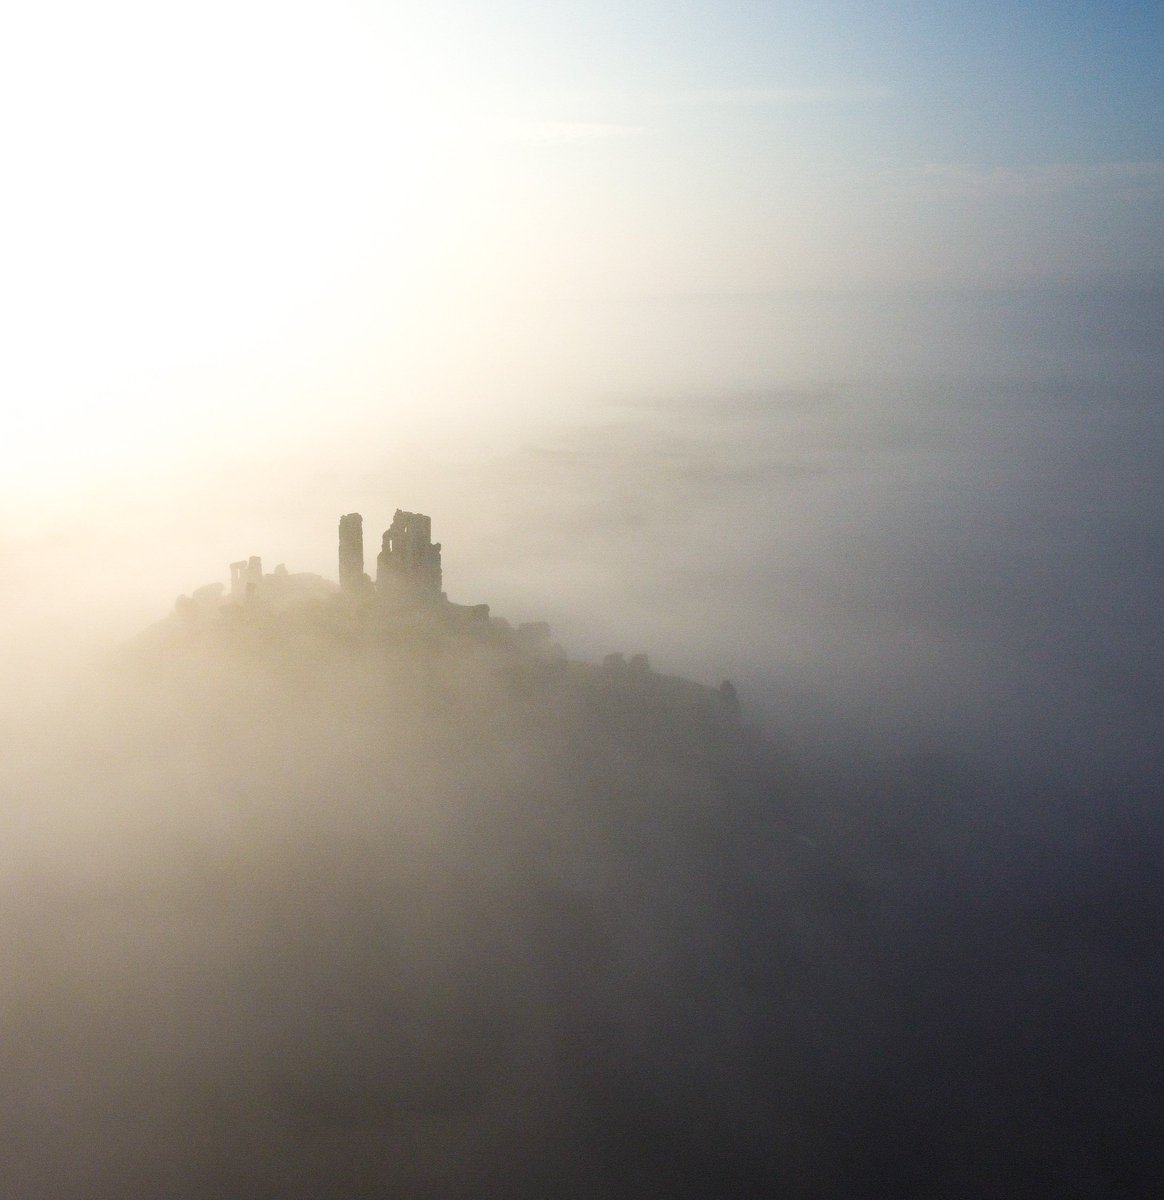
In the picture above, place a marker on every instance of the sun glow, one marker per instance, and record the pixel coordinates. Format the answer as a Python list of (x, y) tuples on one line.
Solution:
[(198, 191)]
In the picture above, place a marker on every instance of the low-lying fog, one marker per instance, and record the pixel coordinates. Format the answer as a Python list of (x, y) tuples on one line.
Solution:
[(293, 923)]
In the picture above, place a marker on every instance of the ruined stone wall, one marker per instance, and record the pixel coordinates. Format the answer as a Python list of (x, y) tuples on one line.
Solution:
[(245, 578), (351, 552), (409, 564)]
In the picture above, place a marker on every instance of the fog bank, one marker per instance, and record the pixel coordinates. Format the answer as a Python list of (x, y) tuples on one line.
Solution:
[(289, 914)]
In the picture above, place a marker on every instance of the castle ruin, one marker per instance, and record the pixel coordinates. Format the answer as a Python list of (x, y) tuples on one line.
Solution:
[(408, 566), (407, 599), (408, 572), (246, 577), (351, 554)]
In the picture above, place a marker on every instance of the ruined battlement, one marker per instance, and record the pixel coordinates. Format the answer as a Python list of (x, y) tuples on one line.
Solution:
[(408, 566), (405, 607), (408, 573), (351, 554), (245, 577)]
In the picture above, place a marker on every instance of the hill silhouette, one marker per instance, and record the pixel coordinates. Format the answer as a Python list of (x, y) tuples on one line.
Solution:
[(341, 889)]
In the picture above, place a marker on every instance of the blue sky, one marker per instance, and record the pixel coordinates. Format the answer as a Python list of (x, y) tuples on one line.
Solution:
[(1011, 83), (911, 135), (251, 207)]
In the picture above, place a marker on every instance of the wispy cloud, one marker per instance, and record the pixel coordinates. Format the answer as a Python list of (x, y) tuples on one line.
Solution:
[(556, 132), (770, 96), (955, 181), (648, 105)]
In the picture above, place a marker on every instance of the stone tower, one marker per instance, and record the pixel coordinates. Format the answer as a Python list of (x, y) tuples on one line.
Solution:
[(246, 577), (351, 553), (409, 565)]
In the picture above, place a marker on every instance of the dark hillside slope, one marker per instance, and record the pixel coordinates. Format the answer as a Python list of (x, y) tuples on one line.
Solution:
[(300, 905)]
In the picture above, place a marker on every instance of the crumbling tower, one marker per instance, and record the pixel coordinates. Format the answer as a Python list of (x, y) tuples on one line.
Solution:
[(351, 553), (246, 576), (409, 565)]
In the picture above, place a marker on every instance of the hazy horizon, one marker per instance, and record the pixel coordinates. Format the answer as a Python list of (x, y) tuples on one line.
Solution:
[(816, 347), (726, 514)]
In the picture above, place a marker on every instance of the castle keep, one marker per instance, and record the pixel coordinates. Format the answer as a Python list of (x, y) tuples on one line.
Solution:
[(405, 607), (351, 553), (408, 582), (409, 564), (408, 567)]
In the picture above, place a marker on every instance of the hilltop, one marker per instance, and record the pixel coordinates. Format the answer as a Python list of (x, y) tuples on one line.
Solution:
[(409, 903), (340, 888), (403, 622)]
